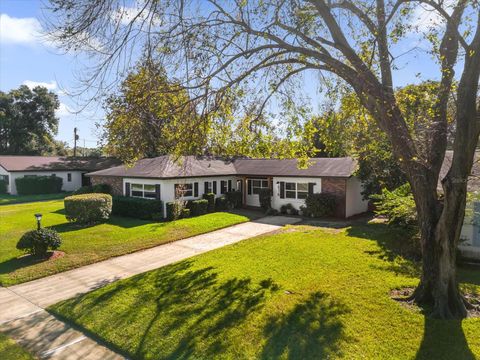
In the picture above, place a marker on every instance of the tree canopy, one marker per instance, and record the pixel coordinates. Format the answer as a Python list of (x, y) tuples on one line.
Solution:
[(27, 121)]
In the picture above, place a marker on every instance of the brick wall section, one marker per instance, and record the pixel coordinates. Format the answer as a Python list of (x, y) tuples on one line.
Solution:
[(337, 187), (115, 182)]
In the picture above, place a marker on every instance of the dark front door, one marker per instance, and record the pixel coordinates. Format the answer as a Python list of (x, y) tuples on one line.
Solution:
[(86, 180)]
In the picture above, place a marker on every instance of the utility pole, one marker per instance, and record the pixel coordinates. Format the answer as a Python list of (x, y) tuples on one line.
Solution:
[(75, 138)]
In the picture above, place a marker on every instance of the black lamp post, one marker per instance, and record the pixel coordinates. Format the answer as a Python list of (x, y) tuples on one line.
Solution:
[(39, 218)]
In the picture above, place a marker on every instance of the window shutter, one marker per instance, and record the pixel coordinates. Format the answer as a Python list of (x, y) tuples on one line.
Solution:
[(229, 185), (205, 187), (157, 191), (127, 189), (215, 187), (310, 188), (249, 185), (282, 189), (223, 186), (195, 189)]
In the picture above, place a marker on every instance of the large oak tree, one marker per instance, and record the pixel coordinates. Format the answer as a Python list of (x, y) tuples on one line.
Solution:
[(262, 46)]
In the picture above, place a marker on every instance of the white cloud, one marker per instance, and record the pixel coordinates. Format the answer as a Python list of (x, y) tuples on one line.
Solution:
[(52, 85), (19, 30), (63, 111)]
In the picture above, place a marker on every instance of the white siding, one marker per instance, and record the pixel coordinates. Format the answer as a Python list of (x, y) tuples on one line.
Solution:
[(167, 186), (355, 204), (67, 185), (6, 173), (277, 202)]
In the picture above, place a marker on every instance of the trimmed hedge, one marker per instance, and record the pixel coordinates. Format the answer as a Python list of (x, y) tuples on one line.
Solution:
[(98, 188), (210, 197), (221, 204), (145, 209), (38, 242), (32, 185), (320, 204), (265, 198), (88, 208), (3, 186), (174, 210), (198, 207), (185, 213), (234, 198)]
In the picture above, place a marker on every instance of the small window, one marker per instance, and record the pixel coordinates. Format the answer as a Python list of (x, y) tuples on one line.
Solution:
[(69, 177), (136, 190), (258, 184), (149, 191), (291, 190), (5, 178), (223, 187), (143, 191), (302, 190), (208, 187), (183, 190)]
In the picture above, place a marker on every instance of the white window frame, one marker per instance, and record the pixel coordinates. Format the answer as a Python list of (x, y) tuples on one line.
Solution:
[(151, 194), (184, 192), (295, 191), (262, 183)]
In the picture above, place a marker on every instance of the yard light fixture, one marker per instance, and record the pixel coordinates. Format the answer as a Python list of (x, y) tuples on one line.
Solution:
[(39, 218)]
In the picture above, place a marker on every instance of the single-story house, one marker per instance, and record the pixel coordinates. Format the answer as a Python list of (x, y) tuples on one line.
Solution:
[(71, 170), (190, 177)]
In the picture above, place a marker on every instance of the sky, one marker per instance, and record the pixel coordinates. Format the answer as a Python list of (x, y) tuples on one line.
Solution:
[(26, 58)]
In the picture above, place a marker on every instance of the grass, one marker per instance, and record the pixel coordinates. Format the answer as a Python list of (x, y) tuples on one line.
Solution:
[(303, 293), (7, 199), (10, 350), (89, 244)]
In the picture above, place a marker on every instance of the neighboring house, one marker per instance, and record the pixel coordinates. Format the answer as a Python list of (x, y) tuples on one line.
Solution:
[(470, 236), (190, 177), (71, 170)]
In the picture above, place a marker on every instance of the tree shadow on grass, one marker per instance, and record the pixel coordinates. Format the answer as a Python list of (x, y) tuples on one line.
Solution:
[(312, 330), (444, 339), (179, 312)]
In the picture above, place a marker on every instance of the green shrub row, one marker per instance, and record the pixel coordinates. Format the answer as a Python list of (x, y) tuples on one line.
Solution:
[(319, 205), (175, 210), (265, 198), (146, 209), (3, 186), (97, 188), (210, 197), (32, 185), (234, 199), (88, 208), (198, 207), (221, 204)]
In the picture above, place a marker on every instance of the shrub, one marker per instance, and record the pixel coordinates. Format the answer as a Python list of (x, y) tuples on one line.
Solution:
[(398, 206), (38, 242), (210, 197), (185, 213), (87, 189), (32, 185), (320, 204), (97, 188), (221, 204), (174, 210), (88, 208), (265, 197), (136, 207), (234, 198), (198, 207), (3, 186), (157, 216), (288, 209), (271, 212)]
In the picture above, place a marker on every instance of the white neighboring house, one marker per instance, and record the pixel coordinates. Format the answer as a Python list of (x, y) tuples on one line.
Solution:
[(71, 170), (163, 178)]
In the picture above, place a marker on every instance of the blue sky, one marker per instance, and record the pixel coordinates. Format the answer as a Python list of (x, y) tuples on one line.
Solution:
[(26, 59)]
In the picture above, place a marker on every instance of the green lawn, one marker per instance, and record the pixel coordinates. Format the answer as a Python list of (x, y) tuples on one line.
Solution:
[(6, 199), (85, 245), (303, 293), (9, 350)]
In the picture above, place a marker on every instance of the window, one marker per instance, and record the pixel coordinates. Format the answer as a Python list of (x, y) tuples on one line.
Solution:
[(183, 190), (143, 191), (302, 190), (223, 187), (291, 190), (69, 177), (259, 184), (208, 188), (5, 178)]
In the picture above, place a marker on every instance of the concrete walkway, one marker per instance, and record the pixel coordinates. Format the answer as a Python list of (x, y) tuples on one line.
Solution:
[(22, 314)]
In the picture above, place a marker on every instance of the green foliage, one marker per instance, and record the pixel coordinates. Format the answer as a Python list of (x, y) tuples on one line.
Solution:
[(221, 203), (320, 204), (185, 213), (88, 208), (3, 186), (97, 188), (136, 207), (198, 207), (210, 197), (31, 185), (27, 121), (234, 199), (174, 210), (265, 197), (38, 242), (398, 206), (288, 209)]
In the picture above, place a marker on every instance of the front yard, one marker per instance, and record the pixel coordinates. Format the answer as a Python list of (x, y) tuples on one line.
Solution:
[(89, 244), (10, 350), (302, 293)]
